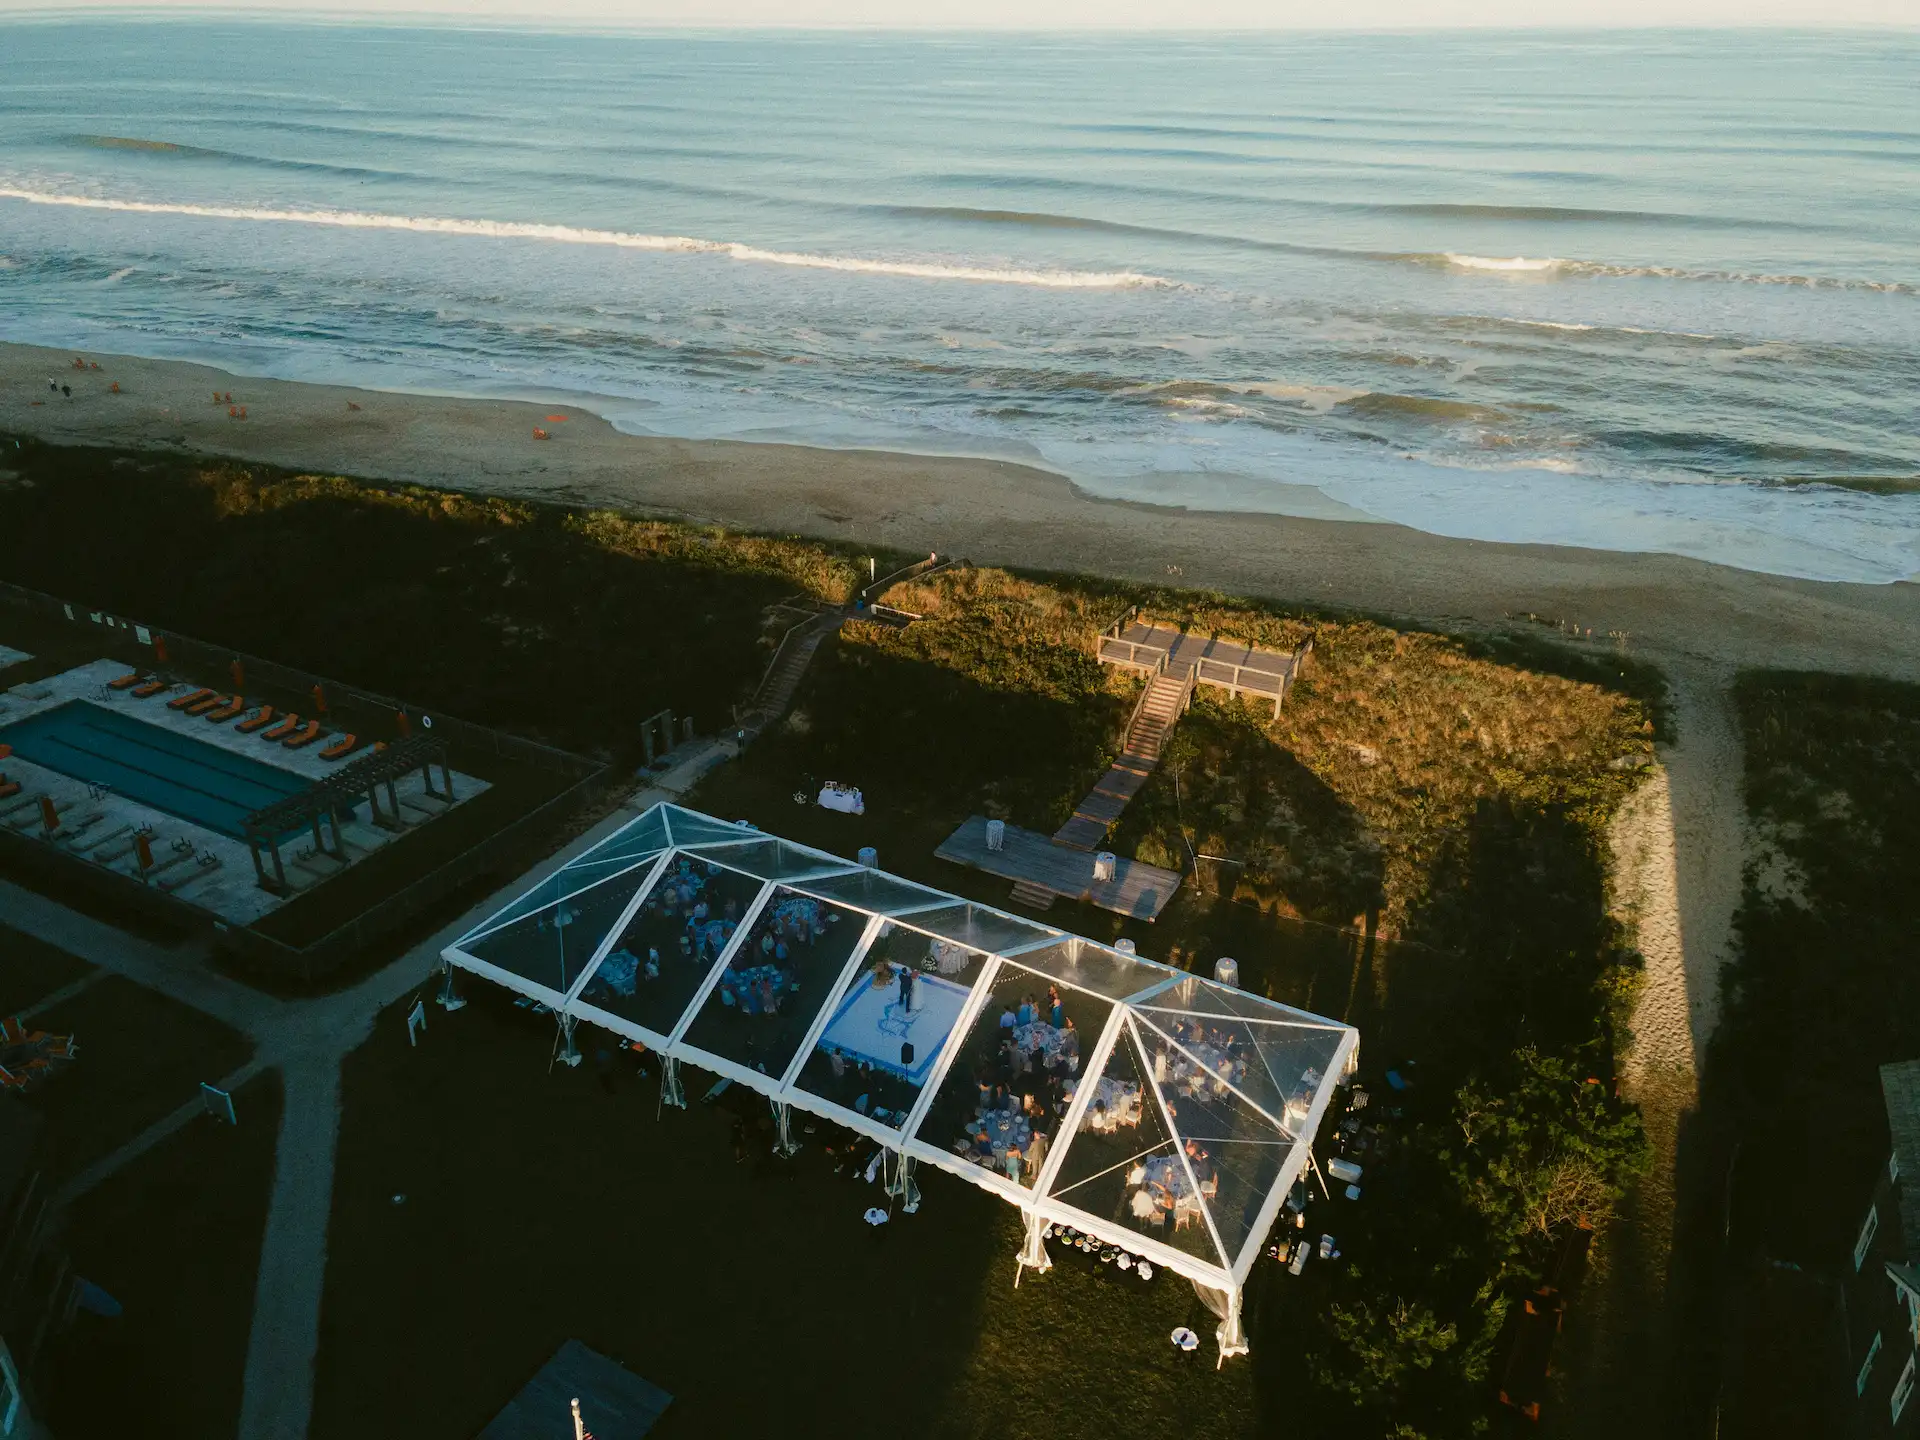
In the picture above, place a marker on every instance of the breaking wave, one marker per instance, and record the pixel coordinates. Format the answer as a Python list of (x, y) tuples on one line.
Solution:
[(1553, 266), (576, 235)]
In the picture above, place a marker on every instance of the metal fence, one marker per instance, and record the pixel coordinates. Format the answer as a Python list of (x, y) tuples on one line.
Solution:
[(590, 784)]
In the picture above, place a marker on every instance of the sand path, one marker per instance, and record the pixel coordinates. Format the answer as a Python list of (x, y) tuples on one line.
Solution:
[(1679, 851)]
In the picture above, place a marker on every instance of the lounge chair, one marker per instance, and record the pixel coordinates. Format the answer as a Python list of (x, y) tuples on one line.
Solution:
[(340, 747), (181, 702), (285, 728), (256, 722), (127, 681), (227, 711), (152, 687), (8, 788), (210, 703), (303, 738)]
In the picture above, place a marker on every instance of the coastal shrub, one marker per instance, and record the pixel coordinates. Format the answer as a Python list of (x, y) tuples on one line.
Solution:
[(565, 626)]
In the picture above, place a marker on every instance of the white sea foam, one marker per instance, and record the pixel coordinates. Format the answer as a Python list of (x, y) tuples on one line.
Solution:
[(1600, 269), (117, 276), (1511, 263), (626, 240)]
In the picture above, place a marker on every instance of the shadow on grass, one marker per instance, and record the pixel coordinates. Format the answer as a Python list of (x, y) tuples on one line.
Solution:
[(175, 1238), (515, 614), (542, 1205), (141, 1057), (31, 970)]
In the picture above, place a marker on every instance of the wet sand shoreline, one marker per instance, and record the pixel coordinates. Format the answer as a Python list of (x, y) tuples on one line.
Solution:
[(993, 512)]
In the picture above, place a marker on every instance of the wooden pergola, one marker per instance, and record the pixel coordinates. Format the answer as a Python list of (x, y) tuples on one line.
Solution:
[(364, 779)]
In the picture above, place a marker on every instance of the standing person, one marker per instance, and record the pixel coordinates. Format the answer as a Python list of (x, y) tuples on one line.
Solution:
[(906, 990), (1056, 1012)]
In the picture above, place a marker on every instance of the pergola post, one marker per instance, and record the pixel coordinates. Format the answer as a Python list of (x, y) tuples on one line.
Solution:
[(393, 799), (279, 870), (253, 852), (446, 779)]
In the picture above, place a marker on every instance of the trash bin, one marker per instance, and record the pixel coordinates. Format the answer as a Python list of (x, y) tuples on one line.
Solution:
[(1227, 970), (869, 857), (1103, 863), (996, 834)]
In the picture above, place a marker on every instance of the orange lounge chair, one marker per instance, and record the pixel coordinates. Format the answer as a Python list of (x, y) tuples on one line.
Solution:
[(126, 682), (304, 737), (256, 722), (339, 747), (8, 788), (181, 702), (285, 728), (212, 702), (152, 687), (226, 712)]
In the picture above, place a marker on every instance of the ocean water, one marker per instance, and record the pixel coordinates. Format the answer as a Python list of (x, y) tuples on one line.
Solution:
[(1654, 291)]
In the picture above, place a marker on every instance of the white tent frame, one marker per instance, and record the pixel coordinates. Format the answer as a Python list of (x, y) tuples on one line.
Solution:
[(706, 839)]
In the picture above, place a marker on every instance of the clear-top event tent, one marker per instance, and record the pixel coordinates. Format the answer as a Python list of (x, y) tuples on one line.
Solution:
[(1183, 1110)]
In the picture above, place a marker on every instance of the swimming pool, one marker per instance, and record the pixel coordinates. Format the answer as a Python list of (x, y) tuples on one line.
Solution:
[(150, 765)]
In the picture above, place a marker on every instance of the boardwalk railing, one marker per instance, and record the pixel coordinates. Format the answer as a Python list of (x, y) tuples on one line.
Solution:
[(915, 571), (787, 642), (1133, 717)]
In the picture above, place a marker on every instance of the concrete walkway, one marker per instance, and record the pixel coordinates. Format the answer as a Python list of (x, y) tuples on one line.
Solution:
[(306, 1041)]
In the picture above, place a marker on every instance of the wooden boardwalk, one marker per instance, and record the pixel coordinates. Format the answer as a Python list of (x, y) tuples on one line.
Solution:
[(1233, 667), (1034, 861)]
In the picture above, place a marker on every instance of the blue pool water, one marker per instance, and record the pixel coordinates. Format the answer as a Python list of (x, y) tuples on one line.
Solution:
[(152, 766)]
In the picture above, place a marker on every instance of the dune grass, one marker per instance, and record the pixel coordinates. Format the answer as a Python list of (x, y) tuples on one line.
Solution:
[(560, 625), (1416, 845)]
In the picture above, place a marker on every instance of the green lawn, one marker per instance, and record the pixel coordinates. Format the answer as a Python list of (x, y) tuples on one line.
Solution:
[(31, 970), (141, 1056), (542, 1206), (175, 1238)]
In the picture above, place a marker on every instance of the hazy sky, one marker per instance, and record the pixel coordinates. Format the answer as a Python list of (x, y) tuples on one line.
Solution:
[(1104, 14)]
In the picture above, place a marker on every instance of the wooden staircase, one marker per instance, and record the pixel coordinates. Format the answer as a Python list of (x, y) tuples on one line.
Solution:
[(1153, 721), (775, 691)]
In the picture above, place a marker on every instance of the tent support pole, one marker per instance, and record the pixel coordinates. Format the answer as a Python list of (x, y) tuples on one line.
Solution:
[(783, 1142), (900, 1182), (1033, 1254), (569, 1056), (671, 1092), (449, 999)]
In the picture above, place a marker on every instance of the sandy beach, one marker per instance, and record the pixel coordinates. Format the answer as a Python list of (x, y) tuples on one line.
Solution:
[(1676, 610)]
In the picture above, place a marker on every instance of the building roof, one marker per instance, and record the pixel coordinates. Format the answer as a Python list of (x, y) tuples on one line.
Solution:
[(1900, 1087)]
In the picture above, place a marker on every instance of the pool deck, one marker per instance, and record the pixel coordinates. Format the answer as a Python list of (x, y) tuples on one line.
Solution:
[(227, 889)]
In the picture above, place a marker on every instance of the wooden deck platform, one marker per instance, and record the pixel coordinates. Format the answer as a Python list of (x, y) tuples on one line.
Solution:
[(615, 1403), (1227, 664), (1137, 889)]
